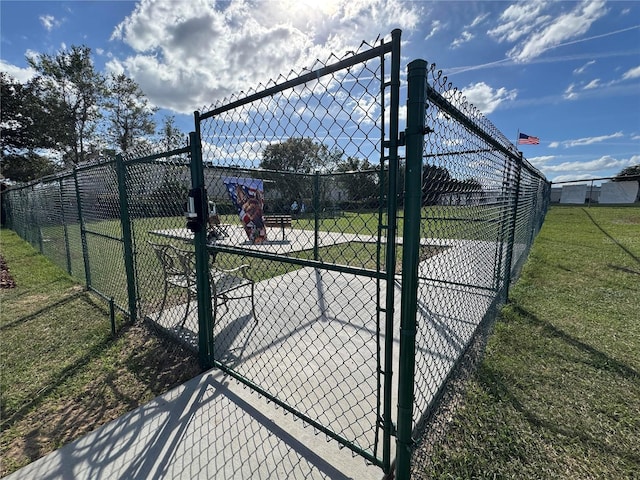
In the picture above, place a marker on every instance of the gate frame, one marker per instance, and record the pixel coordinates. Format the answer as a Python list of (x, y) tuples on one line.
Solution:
[(205, 334)]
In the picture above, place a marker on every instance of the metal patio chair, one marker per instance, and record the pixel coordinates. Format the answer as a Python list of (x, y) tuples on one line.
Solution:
[(225, 284), (179, 271), (175, 275)]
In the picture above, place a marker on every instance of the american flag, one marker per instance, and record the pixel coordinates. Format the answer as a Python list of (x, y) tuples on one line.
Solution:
[(525, 139)]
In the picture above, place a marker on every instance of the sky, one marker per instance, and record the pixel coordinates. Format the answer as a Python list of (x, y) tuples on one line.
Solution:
[(566, 72)]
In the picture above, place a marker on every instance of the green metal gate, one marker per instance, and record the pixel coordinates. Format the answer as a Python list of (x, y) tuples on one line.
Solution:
[(323, 257)]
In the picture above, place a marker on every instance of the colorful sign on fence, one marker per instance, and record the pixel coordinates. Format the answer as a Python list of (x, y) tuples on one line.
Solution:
[(247, 194)]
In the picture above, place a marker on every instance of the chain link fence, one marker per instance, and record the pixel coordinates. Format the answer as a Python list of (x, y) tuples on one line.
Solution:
[(312, 244), (482, 201), (614, 191)]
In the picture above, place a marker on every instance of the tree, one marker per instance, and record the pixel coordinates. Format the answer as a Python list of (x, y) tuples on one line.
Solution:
[(170, 137), (628, 173), (74, 92), (435, 181), (23, 131), (22, 117), (27, 166), (296, 156), (129, 114), (362, 181)]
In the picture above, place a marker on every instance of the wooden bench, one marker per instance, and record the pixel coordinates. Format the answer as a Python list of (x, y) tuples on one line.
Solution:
[(277, 221)]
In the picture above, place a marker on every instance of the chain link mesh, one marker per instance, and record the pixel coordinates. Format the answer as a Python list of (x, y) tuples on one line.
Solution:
[(314, 344), (485, 205), (157, 188)]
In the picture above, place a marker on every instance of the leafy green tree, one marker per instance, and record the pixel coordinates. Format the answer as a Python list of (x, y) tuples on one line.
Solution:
[(170, 136), (23, 131), (628, 173), (296, 156), (129, 114), (74, 92), (435, 181), (360, 179), (27, 166), (22, 117)]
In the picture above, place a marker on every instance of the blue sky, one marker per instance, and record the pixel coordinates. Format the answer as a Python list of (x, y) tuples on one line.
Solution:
[(566, 72)]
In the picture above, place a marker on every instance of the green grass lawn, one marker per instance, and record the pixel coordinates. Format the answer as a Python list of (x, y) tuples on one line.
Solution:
[(558, 392), (62, 373)]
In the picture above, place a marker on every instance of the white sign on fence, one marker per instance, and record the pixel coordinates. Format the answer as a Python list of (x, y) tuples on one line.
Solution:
[(573, 194), (619, 192)]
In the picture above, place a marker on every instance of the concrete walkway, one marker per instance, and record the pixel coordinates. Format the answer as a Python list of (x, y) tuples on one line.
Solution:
[(317, 351)]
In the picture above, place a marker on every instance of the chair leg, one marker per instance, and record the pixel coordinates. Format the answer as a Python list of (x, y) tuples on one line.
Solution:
[(253, 303), (186, 310), (164, 300)]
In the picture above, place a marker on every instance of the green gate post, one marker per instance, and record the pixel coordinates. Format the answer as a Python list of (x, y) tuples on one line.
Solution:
[(416, 107), (83, 234), (127, 238), (205, 314)]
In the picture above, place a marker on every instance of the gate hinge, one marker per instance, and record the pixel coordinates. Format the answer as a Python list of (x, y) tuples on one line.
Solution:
[(402, 140)]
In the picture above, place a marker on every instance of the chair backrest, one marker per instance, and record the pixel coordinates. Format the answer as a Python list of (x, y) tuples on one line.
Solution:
[(175, 262)]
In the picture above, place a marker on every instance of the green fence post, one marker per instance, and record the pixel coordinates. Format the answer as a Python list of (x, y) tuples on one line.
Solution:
[(35, 217), (390, 254), (316, 213), (416, 107), (512, 227), (205, 313), (65, 228), (83, 234), (127, 238)]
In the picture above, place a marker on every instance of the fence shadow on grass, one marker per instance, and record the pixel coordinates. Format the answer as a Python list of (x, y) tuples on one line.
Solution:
[(500, 388), (600, 360), (44, 310), (610, 237), (59, 378)]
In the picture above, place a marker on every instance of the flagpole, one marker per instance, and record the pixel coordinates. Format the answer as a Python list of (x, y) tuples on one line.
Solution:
[(517, 138)]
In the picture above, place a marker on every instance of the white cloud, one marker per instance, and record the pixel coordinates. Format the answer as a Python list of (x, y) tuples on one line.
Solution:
[(592, 84), (49, 22), (478, 20), (22, 75), (591, 140), (633, 73), (539, 30), (436, 26), (581, 69), (569, 93), (191, 54), (463, 38), (486, 98), (541, 161), (554, 144), (573, 177), (602, 163), (518, 20), (467, 35)]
